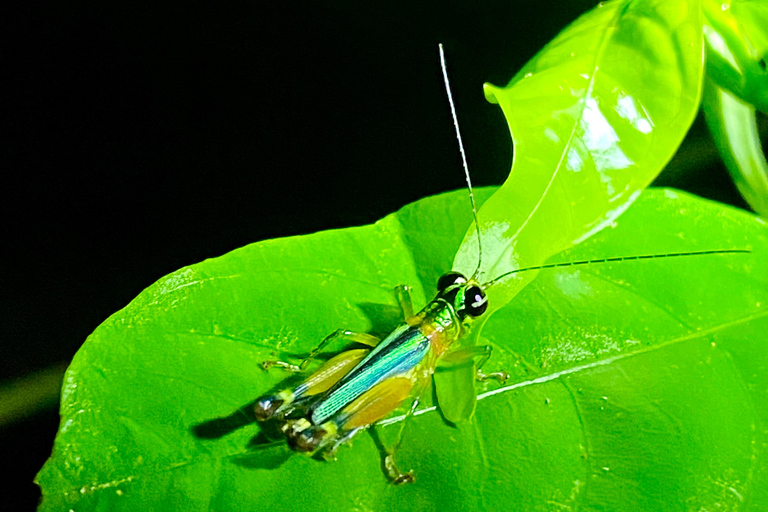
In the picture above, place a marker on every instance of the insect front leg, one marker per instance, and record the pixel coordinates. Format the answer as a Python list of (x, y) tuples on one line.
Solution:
[(352, 336), (465, 355)]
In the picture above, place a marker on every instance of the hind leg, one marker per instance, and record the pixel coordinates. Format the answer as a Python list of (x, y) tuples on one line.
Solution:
[(356, 337)]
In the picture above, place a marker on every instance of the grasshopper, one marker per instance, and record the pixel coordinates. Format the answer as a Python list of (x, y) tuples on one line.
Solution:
[(358, 387)]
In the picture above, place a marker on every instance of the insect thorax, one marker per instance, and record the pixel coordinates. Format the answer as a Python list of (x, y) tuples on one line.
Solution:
[(440, 324)]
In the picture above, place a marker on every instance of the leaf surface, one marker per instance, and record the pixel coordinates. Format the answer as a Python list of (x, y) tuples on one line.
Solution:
[(635, 386)]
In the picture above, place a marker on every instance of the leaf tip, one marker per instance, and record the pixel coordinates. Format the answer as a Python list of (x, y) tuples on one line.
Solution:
[(490, 91)]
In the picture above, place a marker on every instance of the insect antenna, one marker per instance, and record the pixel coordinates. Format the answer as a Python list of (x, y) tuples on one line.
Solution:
[(617, 259), (463, 160)]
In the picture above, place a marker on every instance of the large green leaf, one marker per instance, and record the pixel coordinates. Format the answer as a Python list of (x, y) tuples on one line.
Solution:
[(635, 386), (594, 117)]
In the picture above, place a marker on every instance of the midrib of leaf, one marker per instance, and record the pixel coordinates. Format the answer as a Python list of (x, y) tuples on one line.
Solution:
[(582, 101), (609, 360)]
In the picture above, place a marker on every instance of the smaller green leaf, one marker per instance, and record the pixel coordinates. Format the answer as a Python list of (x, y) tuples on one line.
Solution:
[(594, 117), (734, 129)]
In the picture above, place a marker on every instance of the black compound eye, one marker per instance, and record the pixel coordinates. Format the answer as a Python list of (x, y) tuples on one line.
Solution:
[(450, 279), (475, 301)]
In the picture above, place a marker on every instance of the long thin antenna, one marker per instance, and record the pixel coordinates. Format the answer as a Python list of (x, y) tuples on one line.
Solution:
[(616, 259), (463, 159)]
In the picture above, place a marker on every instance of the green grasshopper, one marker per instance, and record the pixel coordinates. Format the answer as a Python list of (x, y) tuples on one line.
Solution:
[(359, 387)]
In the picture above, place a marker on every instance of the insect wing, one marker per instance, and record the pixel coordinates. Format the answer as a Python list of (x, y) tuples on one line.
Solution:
[(397, 355)]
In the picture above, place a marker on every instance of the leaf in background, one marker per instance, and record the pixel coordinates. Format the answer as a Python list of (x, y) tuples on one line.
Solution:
[(636, 386), (734, 128), (736, 35), (594, 118)]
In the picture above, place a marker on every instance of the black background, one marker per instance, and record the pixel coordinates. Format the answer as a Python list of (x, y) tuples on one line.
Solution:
[(142, 138)]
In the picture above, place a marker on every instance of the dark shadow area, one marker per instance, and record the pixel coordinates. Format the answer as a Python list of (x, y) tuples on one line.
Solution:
[(219, 427), (266, 449), (216, 428), (268, 455)]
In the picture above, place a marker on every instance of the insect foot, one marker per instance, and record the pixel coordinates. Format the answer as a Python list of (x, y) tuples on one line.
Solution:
[(394, 475), (266, 365), (500, 376)]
